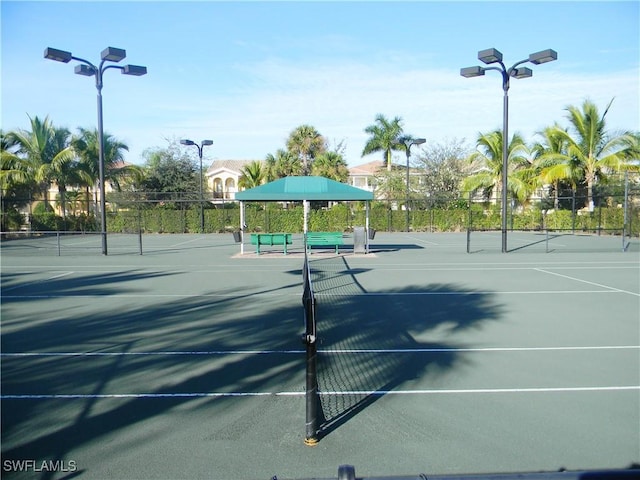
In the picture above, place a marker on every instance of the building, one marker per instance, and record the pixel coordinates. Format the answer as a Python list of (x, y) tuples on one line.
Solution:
[(223, 177), (363, 176)]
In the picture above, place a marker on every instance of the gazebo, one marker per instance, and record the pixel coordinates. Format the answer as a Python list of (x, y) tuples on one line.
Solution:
[(305, 189)]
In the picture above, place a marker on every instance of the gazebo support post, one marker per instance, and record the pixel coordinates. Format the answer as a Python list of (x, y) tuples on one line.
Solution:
[(241, 228), (367, 226), (305, 210)]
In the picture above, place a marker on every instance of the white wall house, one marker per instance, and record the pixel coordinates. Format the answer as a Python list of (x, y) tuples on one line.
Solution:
[(363, 176), (222, 178)]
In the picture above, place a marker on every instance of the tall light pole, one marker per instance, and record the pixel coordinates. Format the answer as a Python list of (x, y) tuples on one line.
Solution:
[(200, 147), (88, 69), (489, 57), (408, 143)]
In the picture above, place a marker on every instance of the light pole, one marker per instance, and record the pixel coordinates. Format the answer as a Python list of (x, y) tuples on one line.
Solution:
[(488, 57), (408, 143), (200, 147), (88, 69)]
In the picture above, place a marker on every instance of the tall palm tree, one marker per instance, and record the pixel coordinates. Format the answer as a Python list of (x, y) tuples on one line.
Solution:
[(331, 165), (549, 156), (87, 147), (252, 175), (46, 154), (283, 164), (488, 161), (590, 150), (306, 143), (384, 137), (13, 168)]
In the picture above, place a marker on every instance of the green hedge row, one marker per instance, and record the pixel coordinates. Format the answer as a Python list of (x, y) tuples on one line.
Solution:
[(273, 218)]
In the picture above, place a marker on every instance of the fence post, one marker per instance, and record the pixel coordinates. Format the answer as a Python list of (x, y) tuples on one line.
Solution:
[(469, 224), (573, 212), (140, 229), (599, 218)]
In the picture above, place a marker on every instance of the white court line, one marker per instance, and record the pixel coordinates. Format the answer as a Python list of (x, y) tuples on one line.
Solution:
[(301, 393), (420, 240), (181, 243), (110, 296), (587, 282), (327, 351), (24, 285), (480, 292)]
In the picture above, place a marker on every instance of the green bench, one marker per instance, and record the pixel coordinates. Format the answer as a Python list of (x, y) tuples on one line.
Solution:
[(324, 239), (283, 239)]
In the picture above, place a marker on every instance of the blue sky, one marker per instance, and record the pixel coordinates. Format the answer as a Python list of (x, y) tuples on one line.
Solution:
[(245, 74)]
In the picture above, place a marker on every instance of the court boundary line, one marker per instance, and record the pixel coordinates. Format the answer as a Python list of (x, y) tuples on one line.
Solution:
[(607, 290), (36, 282), (324, 351), (79, 396), (587, 282)]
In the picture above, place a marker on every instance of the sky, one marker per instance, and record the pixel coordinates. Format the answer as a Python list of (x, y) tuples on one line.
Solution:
[(245, 74)]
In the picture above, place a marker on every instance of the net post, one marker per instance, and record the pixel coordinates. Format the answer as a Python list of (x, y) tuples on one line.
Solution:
[(311, 387), (58, 241), (546, 240), (311, 394)]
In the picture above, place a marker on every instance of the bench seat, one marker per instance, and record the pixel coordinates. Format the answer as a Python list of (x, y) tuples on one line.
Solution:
[(271, 239), (324, 239)]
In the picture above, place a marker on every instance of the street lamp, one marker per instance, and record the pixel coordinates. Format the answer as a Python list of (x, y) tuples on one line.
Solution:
[(86, 68), (489, 57), (407, 143), (200, 147)]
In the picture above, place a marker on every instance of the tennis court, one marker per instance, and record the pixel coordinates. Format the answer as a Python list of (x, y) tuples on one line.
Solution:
[(187, 361)]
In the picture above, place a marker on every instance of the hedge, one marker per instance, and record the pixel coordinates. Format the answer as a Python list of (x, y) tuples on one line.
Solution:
[(271, 217)]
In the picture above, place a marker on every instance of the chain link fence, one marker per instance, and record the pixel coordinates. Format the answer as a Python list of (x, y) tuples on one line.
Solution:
[(617, 214)]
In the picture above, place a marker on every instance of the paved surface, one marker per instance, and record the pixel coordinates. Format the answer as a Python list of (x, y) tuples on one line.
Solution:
[(186, 362)]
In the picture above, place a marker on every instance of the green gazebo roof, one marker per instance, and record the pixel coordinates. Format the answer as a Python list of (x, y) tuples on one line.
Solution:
[(304, 188)]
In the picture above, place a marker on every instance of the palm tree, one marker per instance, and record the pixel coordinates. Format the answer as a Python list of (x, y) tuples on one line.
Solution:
[(331, 165), (306, 143), (488, 161), (252, 175), (46, 154), (87, 147), (283, 164), (590, 152), (384, 138), (548, 156), (13, 168)]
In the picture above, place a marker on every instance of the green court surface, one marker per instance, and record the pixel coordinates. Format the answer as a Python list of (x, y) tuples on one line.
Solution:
[(187, 361)]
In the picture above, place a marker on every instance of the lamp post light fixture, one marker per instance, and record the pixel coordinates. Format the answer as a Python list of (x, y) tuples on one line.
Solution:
[(200, 147), (88, 69), (407, 143), (491, 56)]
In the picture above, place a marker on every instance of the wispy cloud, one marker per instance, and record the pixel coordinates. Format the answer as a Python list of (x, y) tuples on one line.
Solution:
[(341, 99), (253, 116)]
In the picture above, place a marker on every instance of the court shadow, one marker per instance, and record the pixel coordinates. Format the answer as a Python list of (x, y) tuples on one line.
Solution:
[(367, 340), (393, 247), (178, 354)]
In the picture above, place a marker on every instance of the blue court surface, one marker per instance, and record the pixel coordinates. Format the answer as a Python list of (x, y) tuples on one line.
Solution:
[(186, 361)]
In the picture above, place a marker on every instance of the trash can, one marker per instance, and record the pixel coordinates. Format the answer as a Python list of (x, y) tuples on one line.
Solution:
[(237, 237), (372, 233), (359, 240)]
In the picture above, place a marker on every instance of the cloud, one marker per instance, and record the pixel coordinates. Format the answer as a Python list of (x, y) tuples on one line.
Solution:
[(250, 113), (341, 99)]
